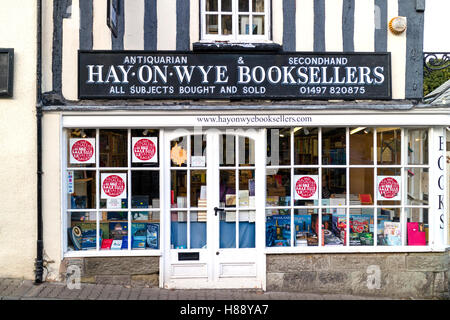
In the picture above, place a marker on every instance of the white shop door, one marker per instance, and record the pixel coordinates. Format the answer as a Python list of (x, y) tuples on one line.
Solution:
[(215, 209)]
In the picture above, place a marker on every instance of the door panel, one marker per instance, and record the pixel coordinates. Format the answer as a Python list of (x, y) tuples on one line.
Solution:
[(213, 211)]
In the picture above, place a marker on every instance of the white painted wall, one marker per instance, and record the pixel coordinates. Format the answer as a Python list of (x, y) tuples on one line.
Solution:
[(51, 200), (396, 44), (364, 36), (333, 25), (304, 22), (167, 24), (134, 25), (277, 15), (101, 32), (18, 143)]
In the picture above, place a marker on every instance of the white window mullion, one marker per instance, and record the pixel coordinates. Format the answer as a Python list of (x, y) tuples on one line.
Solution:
[(129, 156), (319, 214), (375, 196), (404, 163), (292, 195), (347, 186), (98, 189)]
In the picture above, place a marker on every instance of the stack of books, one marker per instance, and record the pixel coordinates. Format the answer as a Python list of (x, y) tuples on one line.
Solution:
[(201, 217), (354, 201)]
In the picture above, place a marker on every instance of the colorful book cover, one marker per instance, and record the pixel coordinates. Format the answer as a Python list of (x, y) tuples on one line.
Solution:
[(116, 245), (106, 244), (88, 239), (359, 224), (138, 232), (416, 234), (392, 233), (365, 198), (124, 243), (118, 229), (153, 235), (78, 202)]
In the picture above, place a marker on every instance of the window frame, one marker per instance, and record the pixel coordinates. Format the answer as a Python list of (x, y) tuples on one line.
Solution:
[(129, 169), (73, 121), (235, 37), (403, 206)]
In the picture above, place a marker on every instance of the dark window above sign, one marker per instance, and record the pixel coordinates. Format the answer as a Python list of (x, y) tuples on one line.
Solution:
[(6, 72)]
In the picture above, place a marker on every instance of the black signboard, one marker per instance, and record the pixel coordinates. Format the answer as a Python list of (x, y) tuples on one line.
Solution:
[(6, 72), (178, 75)]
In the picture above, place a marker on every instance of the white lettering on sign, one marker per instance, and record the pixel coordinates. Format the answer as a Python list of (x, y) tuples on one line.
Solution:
[(440, 182)]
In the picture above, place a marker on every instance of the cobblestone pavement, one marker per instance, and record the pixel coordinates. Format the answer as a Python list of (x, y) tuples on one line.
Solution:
[(17, 289)]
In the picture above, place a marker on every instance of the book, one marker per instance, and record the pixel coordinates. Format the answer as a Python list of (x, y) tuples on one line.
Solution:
[(78, 202), (88, 239), (416, 234), (155, 203), (203, 192), (359, 224), (152, 235), (365, 199), (140, 201), (366, 238), (124, 243), (251, 187), (392, 233), (230, 216), (201, 216), (116, 244), (230, 200), (117, 230), (252, 201), (272, 201), (182, 216), (243, 198), (139, 216), (106, 244), (181, 202), (78, 216), (138, 233)]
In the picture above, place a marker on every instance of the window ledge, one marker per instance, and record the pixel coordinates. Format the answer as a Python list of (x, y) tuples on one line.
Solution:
[(356, 249), (112, 253), (236, 46)]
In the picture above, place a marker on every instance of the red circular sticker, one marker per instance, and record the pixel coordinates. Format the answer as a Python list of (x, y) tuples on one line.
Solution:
[(306, 187), (113, 185), (144, 149), (82, 150), (388, 188)]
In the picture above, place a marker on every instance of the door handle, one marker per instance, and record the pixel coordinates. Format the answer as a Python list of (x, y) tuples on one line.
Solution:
[(216, 209)]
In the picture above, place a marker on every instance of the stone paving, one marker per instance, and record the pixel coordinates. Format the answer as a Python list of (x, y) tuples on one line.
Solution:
[(17, 289)]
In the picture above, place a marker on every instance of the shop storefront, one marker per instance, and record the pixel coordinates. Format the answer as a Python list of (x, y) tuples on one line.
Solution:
[(277, 170)]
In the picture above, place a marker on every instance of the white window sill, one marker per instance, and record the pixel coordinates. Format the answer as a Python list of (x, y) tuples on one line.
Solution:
[(112, 253), (227, 46), (357, 249)]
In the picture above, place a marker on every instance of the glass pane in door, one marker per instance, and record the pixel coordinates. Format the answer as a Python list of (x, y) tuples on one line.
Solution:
[(237, 192), (188, 192)]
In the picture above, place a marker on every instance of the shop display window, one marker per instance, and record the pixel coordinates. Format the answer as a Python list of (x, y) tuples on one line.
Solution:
[(102, 178), (353, 189), (324, 187)]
